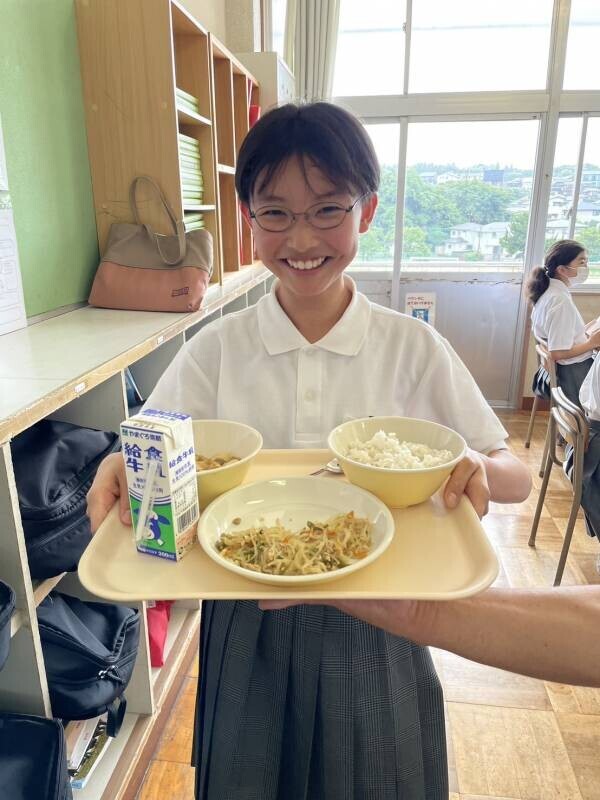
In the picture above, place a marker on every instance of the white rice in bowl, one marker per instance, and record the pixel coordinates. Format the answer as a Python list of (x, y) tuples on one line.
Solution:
[(384, 450)]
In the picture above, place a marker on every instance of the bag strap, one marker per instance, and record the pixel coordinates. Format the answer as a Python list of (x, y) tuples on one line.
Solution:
[(115, 714), (177, 225)]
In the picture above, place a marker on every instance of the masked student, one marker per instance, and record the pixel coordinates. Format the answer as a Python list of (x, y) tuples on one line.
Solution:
[(556, 319), (308, 703)]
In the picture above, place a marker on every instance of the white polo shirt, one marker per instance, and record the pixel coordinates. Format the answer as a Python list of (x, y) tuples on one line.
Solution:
[(556, 319), (589, 394), (254, 366)]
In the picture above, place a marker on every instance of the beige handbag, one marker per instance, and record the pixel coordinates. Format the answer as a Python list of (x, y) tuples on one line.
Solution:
[(146, 271)]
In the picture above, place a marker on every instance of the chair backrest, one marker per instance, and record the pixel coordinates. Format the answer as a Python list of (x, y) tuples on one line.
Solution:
[(570, 421), (546, 361)]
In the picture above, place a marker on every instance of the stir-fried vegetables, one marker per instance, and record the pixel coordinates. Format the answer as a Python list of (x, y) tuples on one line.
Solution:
[(318, 547)]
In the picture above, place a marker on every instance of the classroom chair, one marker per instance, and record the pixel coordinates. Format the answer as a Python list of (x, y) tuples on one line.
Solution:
[(547, 362), (567, 419)]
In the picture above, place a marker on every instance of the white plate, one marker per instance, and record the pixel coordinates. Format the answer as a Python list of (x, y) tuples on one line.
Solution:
[(293, 501)]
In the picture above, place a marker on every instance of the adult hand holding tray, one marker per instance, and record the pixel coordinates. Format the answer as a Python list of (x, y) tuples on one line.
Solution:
[(435, 554)]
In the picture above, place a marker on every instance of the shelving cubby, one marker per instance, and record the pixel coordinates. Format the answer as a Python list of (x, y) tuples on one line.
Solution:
[(235, 90), (88, 388), (135, 115)]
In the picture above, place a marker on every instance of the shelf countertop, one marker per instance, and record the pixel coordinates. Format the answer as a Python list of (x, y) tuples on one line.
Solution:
[(45, 365)]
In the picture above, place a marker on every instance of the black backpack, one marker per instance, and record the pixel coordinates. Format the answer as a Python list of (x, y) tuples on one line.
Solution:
[(33, 759), (55, 464), (89, 652)]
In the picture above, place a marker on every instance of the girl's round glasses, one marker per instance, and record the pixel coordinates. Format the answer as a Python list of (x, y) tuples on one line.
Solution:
[(324, 216)]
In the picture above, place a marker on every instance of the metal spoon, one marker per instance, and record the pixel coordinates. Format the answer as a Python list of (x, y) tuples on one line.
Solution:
[(332, 466)]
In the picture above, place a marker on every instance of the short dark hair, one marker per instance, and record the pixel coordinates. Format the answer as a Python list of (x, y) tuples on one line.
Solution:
[(321, 133), (558, 255)]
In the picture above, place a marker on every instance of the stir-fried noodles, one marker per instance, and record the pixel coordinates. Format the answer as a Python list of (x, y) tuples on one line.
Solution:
[(318, 547)]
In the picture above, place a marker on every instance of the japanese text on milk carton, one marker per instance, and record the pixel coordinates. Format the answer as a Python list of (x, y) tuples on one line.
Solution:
[(158, 449)]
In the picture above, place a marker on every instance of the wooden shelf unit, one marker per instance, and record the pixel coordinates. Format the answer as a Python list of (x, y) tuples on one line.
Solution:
[(235, 91), (87, 388), (134, 116)]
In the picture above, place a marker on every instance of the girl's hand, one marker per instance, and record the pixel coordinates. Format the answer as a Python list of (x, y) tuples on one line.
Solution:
[(594, 340), (469, 477), (109, 486)]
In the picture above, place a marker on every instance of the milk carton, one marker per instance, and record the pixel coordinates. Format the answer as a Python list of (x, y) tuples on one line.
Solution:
[(158, 449)]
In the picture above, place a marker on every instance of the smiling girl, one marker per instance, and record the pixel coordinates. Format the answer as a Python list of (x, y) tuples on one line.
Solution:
[(308, 703)]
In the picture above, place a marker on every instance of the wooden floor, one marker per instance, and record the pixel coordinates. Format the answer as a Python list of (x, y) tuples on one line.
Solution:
[(509, 737)]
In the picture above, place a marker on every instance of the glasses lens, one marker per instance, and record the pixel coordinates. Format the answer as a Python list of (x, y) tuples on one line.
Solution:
[(273, 218), (326, 215)]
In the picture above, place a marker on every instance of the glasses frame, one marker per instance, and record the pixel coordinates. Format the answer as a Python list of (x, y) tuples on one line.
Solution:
[(293, 216)]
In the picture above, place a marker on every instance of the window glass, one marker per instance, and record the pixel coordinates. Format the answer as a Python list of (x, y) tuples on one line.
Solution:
[(467, 45), (468, 193), (581, 67), (278, 9), (560, 206), (370, 48), (587, 220), (376, 247)]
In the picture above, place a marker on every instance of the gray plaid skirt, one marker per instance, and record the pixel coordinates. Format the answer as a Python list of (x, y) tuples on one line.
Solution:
[(570, 377), (310, 704)]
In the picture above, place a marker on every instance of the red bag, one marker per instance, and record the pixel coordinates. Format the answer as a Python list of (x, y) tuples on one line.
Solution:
[(158, 615)]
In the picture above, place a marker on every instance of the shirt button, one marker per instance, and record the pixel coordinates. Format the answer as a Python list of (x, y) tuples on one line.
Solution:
[(310, 351), (309, 396)]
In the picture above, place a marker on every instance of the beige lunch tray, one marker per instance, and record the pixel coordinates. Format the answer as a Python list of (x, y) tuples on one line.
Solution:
[(436, 554)]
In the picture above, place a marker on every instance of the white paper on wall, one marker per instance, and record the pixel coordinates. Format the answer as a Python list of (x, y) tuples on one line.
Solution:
[(12, 305), (421, 305)]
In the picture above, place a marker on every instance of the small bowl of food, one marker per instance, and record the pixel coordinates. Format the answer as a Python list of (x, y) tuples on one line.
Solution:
[(403, 461), (224, 452), (298, 530)]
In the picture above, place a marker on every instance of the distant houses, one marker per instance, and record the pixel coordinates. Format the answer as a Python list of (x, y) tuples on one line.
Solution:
[(472, 238), (485, 241)]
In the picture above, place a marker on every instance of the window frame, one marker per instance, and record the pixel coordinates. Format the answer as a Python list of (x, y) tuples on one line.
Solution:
[(546, 104)]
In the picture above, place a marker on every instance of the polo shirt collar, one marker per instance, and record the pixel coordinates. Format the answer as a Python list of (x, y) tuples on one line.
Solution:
[(280, 335), (559, 286)]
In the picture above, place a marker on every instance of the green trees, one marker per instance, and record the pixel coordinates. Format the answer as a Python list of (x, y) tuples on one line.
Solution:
[(477, 201), (414, 243), (516, 235), (590, 238), (428, 208), (378, 243), (514, 241), (430, 211)]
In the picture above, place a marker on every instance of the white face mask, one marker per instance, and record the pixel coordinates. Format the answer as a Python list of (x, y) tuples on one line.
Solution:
[(581, 277)]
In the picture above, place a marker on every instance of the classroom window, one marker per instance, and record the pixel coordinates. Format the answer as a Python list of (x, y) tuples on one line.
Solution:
[(587, 218), (376, 247), (278, 12), (468, 194), (370, 48), (467, 45), (562, 200), (581, 66)]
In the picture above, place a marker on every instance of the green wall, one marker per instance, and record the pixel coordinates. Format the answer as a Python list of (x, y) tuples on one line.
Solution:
[(41, 107)]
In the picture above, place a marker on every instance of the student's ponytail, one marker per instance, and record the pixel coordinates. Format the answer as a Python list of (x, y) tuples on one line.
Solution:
[(537, 284), (559, 254)]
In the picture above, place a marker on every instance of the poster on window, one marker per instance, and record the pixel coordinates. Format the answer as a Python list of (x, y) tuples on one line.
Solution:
[(12, 306), (422, 306)]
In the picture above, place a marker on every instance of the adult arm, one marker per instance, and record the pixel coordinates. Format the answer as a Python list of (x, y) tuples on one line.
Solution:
[(544, 633)]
